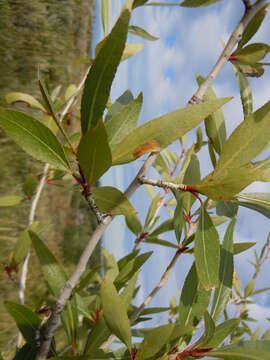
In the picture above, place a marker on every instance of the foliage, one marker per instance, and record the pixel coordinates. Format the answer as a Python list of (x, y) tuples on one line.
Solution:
[(97, 307)]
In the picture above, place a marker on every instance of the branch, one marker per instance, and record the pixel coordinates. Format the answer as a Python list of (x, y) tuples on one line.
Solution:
[(53, 322), (236, 36), (32, 213), (166, 184)]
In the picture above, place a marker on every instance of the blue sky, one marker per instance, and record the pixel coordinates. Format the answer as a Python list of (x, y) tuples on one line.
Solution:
[(190, 42)]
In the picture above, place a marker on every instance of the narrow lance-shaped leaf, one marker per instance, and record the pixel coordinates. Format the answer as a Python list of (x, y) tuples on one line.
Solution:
[(209, 330), (100, 77), (214, 123), (131, 50), (27, 321), (223, 292), (222, 331), (114, 312), (259, 202), (52, 271), (207, 251), (137, 3), (138, 31), (159, 133), (124, 121), (34, 138), (94, 153), (178, 218), (10, 200), (246, 350), (253, 26), (105, 11), (196, 3), (245, 91), (194, 300), (192, 176), (119, 104)]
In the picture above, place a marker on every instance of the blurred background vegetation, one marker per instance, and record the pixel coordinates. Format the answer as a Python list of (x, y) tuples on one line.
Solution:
[(56, 36)]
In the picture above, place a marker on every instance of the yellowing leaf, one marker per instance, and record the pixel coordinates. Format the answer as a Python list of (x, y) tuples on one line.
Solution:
[(131, 50)]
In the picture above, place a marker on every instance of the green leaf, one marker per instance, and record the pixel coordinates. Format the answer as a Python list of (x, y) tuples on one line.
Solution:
[(138, 31), (105, 10), (222, 331), (27, 321), (134, 224), (237, 152), (30, 185), (245, 91), (110, 266), (246, 350), (253, 26), (224, 183), (254, 70), (22, 97), (22, 244), (10, 200), (113, 201), (123, 122), (159, 133), (130, 268), (52, 271), (194, 300), (167, 225), (212, 154), (241, 247), (88, 278), (259, 202), (196, 3), (209, 330), (128, 293), (34, 138), (100, 77), (137, 3), (154, 340), (131, 50), (178, 218), (214, 123), (94, 154), (152, 210), (251, 54), (207, 251), (249, 288), (192, 176), (227, 208), (97, 336), (223, 291), (156, 241), (260, 291), (119, 104), (114, 312)]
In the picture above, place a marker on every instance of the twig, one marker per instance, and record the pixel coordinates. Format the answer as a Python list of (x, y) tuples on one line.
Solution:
[(23, 277), (66, 292), (167, 184), (247, 4), (226, 53)]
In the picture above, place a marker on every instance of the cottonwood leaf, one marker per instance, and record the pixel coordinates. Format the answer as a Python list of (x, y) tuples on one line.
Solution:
[(100, 77), (207, 251), (114, 312), (159, 133), (34, 138), (223, 291), (94, 153)]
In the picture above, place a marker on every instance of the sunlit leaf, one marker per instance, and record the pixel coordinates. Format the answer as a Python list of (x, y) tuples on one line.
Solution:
[(100, 77), (222, 331), (159, 133), (26, 98), (238, 248), (245, 91), (251, 54), (138, 31), (246, 350), (105, 10), (131, 50), (10, 200), (34, 138)]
